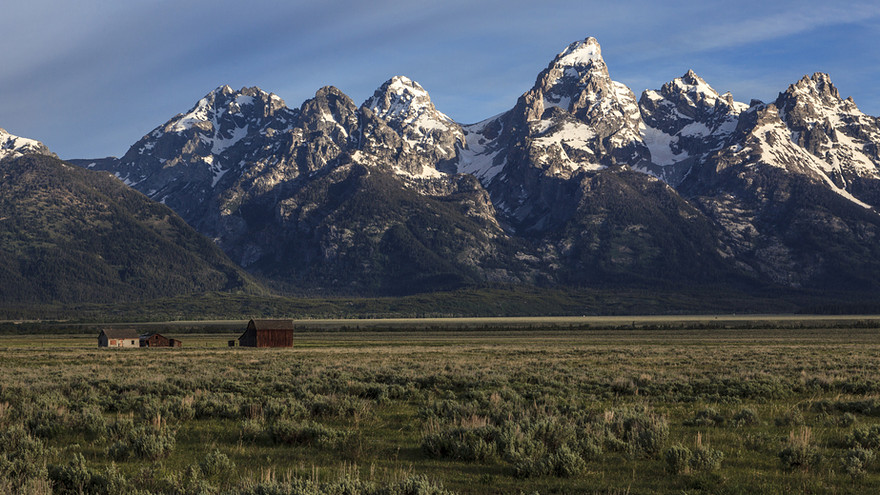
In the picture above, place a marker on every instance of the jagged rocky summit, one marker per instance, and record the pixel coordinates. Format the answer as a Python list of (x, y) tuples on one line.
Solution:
[(580, 183)]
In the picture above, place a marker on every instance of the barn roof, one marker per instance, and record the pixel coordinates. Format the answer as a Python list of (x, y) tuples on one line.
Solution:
[(273, 324), (120, 333)]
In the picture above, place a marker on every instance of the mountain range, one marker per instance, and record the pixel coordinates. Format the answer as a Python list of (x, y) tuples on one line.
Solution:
[(580, 184)]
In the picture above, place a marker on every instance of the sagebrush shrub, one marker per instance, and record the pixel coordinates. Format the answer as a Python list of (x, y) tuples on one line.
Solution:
[(144, 442), (216, 463), (217, 405), (71, 478), (678, 459), (643, 433), (22, 457), (566, 463), (89, 420), (745, 417), (346, 485), (865, 437), (466, 444), (706, 459), (252, 429), (800, 451), (46, 423), (793, 417), (306, 433), (855, 461), (847, 420), (706, 417)]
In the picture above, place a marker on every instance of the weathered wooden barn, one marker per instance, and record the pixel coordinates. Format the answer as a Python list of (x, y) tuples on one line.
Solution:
[(158, 340), (267, 333), (113, 337)]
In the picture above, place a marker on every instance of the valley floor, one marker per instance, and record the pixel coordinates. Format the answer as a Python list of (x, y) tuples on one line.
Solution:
[(676, 410)]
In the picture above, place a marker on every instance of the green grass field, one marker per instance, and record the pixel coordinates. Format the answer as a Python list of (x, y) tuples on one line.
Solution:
[(768, 405)]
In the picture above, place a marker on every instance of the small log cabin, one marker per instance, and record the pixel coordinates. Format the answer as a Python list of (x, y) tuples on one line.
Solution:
[(267, 333), (112, 337), (158, 340)]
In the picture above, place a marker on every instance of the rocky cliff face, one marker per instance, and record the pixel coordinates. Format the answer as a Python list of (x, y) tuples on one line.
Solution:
[(578, 184), (558, 167), (431, 140), (575, 119), (784, 202), (683, 121), (834, 130), (578, 117)]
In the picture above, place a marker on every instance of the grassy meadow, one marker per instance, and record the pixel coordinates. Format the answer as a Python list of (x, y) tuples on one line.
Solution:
[(664, 409)]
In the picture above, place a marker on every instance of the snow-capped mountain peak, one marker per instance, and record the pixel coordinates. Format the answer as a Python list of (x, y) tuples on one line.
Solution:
[(693, 90), (407, 108), (402, 101), (694, 87), (815, 98), (248, 102), (221, 132), (684, 120), (580, 54), (15, 146), (831, 128), (818, 85), (334, 193), (578, 117), (399, 98)]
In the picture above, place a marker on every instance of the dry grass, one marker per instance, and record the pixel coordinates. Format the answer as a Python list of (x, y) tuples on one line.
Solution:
[(374, 391)]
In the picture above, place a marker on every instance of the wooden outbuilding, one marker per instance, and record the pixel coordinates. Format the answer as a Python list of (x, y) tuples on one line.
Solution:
[(158, 340), (112, 337), (267, 333)]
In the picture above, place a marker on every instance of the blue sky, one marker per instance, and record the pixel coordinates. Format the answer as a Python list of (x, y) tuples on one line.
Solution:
[(89, 78)]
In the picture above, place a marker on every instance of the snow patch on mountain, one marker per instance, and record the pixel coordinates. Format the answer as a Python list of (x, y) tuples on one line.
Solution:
[(662, 146), (242, 100), (573, 133), (568, 143), (221, 144), (218, 174), (481, 156), (201, 113), (127, 180), (426, 173)]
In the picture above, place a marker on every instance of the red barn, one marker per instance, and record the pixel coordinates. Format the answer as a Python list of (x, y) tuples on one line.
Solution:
[(158, 340), (267, 333)]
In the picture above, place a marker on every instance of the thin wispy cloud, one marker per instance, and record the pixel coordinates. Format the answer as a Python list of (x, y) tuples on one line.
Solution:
[(724, 28), (774, 26), (89, 78)]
